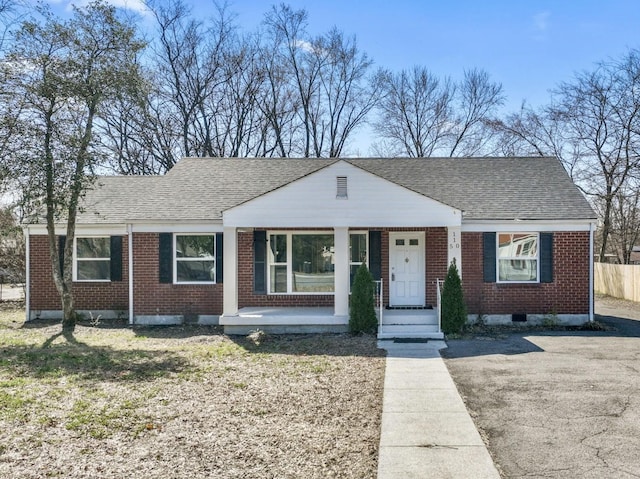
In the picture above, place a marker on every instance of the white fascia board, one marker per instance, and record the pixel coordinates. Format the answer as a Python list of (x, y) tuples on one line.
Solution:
[(81, 230), (312, 202), (122, 230), (525, 226), (177, 227)]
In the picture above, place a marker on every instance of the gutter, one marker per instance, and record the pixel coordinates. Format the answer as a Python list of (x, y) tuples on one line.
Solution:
[(130, 261), (27, 276), (591, 275)]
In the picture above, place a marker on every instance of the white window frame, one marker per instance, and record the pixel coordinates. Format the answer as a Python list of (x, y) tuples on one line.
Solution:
[(518, 258), (358, 263), (176, 259), (289, 234), (76, 259)]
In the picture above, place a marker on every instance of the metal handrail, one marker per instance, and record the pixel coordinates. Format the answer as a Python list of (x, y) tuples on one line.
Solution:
[(439, 283), (378, 298)]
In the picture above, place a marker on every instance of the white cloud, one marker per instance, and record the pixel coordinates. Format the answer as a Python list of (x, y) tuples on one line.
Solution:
[(541, 21), (304, 45), (134, 5)]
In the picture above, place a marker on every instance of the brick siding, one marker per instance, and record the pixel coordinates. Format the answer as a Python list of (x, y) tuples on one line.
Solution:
[(87, 295), (152, 297), (567, 294)]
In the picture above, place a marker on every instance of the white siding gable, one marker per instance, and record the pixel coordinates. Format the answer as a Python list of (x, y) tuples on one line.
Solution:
[(312, 201)]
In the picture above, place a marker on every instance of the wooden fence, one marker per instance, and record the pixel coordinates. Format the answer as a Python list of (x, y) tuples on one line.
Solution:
[(618, 280)]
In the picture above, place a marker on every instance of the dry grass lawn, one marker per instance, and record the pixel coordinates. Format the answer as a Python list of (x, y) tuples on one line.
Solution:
[(115, 402)]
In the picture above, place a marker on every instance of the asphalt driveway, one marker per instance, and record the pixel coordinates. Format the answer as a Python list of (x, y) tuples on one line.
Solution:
[(558, 404)]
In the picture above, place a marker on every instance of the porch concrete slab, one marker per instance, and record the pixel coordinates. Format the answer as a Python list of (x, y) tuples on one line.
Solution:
[(426, 431)]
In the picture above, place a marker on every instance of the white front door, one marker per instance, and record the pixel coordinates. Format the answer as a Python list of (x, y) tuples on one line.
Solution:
[(406, 268)]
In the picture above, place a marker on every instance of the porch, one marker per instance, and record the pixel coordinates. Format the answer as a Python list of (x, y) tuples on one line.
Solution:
[(396, 323)]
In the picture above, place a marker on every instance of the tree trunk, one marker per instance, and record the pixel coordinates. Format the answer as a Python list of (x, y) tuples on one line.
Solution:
[(69, 314)]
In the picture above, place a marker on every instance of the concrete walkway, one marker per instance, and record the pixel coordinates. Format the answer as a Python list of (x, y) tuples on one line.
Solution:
[(426, 429)]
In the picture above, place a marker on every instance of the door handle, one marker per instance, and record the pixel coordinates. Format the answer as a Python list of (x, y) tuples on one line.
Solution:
[(393, 276)]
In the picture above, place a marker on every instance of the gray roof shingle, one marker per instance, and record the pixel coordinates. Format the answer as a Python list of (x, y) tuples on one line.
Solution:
[(200, 189)]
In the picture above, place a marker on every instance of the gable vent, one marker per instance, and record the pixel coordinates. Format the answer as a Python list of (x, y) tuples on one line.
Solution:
[(341, 184)]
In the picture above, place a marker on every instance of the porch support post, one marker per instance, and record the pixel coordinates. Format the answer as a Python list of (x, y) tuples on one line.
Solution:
[(341, 271), (230, 269), (454, 246)]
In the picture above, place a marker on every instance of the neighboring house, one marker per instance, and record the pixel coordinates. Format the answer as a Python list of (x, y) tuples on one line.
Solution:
[(273, 244), (634, 258)]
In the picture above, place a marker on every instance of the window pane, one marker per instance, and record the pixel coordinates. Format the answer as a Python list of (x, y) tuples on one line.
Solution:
[(399, 242), (93, 247), (518, 270), (92, 270), (278, 245), (278, 276), (354, 270), (358, 248), (196, 246), (517, 245), (312, 263), (413, 242), (195, 271)]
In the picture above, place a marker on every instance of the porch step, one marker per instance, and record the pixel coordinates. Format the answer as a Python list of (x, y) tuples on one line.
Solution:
[(410, 323), (416, 317), (417, 331)]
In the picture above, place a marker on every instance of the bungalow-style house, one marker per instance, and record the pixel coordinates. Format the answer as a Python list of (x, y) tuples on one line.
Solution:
[(273, 244)]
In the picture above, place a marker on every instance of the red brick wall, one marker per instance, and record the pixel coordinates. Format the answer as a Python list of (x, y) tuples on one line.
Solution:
[(152, 297), (567, 294), (90, 296)]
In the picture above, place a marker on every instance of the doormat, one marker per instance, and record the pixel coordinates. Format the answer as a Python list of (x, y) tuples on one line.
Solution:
[(410, 340), (428, 306)]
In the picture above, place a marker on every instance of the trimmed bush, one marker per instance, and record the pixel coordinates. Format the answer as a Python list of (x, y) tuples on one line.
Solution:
[(362, 314), (454, 311)]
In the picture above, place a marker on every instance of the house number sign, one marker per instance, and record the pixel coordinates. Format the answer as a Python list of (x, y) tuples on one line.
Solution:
[(455, 249)]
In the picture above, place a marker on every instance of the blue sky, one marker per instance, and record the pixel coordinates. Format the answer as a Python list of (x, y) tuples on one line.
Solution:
[(529, 47)]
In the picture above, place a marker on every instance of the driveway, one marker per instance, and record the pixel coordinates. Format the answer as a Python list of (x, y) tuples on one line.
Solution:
[(558, 404)]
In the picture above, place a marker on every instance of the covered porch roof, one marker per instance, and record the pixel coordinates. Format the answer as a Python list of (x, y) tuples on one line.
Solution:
[(341, 195)]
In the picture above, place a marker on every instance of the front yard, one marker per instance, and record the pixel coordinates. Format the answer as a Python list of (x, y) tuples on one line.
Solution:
[(185, 402)]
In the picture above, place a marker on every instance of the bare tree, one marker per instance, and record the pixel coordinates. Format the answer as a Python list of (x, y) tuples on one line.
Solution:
[(601, 114), (348, 94), (415, 112), (190, 57), (478, 99), (625, 221), (65, 72), (593, 126)]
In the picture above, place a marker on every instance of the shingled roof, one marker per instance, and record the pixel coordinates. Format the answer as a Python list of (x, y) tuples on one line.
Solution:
[(200, 189)]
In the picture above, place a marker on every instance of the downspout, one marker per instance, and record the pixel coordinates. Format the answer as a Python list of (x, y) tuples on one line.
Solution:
[(591, 274), (27, 276), (130, 261)]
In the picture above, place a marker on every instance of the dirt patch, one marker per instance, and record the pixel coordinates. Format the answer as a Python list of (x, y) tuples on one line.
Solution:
[(185, 402)]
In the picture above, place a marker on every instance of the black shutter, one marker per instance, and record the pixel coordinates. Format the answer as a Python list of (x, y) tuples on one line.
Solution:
[(62, 240), (375, 254), (116, 258), (489, 256), (260, 262), (219, 263), (165, 258), (546, 257)]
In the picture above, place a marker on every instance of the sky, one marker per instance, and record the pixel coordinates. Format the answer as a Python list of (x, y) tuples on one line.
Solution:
[(530, 47)]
